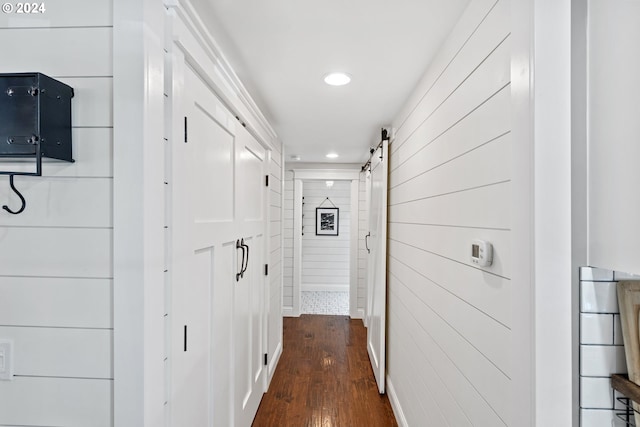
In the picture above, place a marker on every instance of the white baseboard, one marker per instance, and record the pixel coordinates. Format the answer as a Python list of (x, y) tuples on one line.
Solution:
[(395, 404), (273, 363), (321, 287)]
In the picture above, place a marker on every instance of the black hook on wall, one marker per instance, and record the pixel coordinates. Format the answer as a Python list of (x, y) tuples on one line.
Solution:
[(15, 190)]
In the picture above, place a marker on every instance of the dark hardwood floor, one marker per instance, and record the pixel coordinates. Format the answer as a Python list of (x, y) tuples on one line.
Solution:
[(324, 378)]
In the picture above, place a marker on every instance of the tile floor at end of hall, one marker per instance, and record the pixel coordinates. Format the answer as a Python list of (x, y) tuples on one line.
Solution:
[(324, 302)]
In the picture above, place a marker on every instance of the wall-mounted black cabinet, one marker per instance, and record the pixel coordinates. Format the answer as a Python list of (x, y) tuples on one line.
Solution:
[(35, 122), (35, 113)]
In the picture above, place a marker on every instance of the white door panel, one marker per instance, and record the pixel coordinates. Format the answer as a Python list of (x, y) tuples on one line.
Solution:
[(377, 265), (250, 289), (368, 272), (218, 199), (221, 334), (251, 177), (212, 165)]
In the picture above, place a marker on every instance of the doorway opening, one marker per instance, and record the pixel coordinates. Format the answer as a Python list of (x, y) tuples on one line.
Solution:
[(326, 247), (324, 266)]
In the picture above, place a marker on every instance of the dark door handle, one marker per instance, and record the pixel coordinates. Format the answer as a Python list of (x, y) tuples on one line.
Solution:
[(240, 245), (247, 260), (366, 242)]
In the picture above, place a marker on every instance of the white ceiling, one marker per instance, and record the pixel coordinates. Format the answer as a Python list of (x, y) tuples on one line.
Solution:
[(281, 50)]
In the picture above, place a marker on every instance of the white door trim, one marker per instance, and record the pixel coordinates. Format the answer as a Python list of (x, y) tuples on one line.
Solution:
[(327, 174), (354, 249), (299, 175), (297, 245)]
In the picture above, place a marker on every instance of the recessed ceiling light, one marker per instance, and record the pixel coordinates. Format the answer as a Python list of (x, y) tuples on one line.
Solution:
[(332, 156), (337, 79), (295, 157)]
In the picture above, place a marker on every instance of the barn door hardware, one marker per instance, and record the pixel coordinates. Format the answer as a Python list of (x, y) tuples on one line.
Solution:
[(384, 136), (245, 258), (35, 122)]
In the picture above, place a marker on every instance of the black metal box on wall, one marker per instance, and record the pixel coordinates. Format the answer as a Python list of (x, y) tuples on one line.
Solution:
[(35, 118)]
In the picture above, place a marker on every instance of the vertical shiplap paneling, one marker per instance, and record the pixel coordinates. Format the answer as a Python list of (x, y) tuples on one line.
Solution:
[(274, 340), (363, 229), (56, 305), (325, 259), (449, 343), (287, 250)]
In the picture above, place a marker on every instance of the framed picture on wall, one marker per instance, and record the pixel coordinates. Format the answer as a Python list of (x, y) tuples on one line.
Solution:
[(327, 221)]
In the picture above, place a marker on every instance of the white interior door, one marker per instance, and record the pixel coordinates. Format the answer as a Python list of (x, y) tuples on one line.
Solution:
[(217, 201), (249, 298), (377, 265)]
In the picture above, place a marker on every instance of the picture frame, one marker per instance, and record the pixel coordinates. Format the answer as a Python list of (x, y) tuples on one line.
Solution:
[(327, 221)]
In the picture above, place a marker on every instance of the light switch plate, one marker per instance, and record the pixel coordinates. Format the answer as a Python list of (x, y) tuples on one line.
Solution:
[(6, 360)]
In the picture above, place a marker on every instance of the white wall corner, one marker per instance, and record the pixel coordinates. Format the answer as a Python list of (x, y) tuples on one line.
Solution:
[(522, 308), (543, 389), (554, 296), (138, 239), (579, 177)]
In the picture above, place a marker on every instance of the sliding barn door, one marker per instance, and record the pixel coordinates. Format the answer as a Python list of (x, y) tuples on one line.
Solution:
[(377, 265), (217, 282)]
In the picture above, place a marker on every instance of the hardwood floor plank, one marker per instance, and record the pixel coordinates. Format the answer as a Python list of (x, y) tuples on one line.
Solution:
[(324, 378)]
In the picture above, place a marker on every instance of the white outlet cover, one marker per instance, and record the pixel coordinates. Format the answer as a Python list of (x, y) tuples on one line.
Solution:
[(6, 360)]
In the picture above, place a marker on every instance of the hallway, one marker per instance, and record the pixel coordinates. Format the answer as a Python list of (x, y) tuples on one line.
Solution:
[(324, 378), (159, 278)]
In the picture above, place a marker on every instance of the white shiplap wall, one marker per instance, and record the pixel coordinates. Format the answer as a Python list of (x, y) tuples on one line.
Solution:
[(276, 188), (56, 274), (287, 259), (325, 259), (449, 321), (363, 229)]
